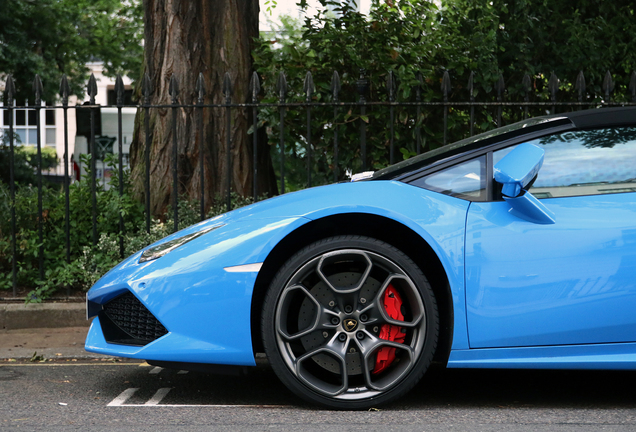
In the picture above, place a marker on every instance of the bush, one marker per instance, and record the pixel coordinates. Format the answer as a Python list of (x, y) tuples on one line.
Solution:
[(87, 262)]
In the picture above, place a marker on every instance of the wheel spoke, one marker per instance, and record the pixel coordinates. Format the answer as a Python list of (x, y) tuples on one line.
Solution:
[(349, 256), (327, 388)]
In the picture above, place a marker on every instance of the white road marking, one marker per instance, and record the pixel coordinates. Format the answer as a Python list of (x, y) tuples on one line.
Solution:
[(205, 406), (123, 397), (182, 372), (155, 370), (161, 393)]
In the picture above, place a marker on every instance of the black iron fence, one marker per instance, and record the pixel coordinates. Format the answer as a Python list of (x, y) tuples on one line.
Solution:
[(493, 107)]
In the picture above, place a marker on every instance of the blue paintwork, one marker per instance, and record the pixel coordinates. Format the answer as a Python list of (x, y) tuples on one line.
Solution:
[(600, 356), (527, 207), (518, 168), (207, 310), (531, 295), (572, 282)]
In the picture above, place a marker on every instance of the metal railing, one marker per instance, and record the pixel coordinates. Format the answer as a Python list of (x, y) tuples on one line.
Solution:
[(495, 104)]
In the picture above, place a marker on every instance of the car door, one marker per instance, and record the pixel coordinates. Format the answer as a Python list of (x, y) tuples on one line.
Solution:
[(568, 282)]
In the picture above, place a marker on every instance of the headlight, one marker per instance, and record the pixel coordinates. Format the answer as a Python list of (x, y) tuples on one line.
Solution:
[(162, 249)]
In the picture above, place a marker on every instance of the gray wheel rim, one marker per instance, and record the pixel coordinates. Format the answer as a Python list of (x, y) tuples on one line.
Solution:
[(328, 319)]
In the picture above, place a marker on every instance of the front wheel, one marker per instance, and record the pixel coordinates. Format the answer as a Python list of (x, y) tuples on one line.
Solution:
[(350, 322)]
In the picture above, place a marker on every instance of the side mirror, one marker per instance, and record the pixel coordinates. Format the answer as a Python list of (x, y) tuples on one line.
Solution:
[(515, 172)]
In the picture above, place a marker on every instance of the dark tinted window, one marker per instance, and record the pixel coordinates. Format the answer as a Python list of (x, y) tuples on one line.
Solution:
[(588, 162)]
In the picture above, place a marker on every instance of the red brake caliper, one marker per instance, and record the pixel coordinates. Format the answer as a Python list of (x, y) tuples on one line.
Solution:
[(392, 305)]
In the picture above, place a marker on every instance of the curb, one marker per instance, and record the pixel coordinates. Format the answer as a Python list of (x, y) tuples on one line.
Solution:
[(42, 315)]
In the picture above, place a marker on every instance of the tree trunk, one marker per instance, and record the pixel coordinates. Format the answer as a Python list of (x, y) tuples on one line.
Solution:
[(182, 39)]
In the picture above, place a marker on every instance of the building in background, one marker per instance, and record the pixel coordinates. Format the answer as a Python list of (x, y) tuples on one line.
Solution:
[(52, 127)]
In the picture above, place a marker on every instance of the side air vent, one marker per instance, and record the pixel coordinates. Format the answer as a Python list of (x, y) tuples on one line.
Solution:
[(125, 320)]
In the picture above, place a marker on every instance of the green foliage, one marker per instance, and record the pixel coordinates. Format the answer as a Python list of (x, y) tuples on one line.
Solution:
[(55, 37), (408, 37), (25, 162), (87, 262)]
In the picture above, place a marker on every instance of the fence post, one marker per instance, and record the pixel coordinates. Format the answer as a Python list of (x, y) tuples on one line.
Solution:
[(200, 87), (580, 87), (362, 85), (119, 94), (553, 86), (632, 86), (255, 88), (391, 86), (526, 84), (10, 90), (227, 91), (281, 89), (146, 91), (38, 90), (335, 89), (446, 87), (173, 90), (608, 86), (92, 92), (418, 114), (308, 89), (500, 87), (471, 94), (64, 93)]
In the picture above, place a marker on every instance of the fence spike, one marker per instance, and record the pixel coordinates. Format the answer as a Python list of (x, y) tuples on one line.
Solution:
[(446, 85), (335, 85), (471, 83), (580, 86), (64, 90), (92, 89), (200, 87), (146, 89), (418, 87), (119, 90), (38, 90), (608, 85), (173, 89), (308, 86), (281, 86), (553, 86), (227, 87), (390, 85), (632, 86), (9, 89), (255, 86), (526, 83)]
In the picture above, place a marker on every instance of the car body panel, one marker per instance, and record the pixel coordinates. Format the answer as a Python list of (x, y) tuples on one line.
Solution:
[(572, 282), (556, 290), (200, 303), (621, 356)]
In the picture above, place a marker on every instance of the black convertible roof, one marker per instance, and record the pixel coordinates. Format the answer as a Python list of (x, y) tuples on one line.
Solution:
[(602, 117), (587, 119)]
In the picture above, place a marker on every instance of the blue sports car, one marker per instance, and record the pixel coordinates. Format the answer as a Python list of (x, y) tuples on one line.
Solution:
[(511, 249)]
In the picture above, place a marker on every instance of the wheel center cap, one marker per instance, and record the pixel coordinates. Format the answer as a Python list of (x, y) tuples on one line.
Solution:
[(350, 324)]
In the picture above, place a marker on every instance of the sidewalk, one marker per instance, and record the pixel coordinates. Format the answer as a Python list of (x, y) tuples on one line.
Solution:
[(52, 330)]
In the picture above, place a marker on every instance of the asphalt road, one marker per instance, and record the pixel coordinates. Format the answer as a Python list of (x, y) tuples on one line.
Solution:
[(113, 396)]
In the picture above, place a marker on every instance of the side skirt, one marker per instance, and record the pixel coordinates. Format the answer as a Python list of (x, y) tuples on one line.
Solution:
[(620, 356)]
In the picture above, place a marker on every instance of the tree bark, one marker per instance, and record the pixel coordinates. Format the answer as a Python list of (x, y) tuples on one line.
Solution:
[(182, 39)]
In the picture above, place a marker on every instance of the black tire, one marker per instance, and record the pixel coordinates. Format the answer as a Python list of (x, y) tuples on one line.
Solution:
[(322, 318)]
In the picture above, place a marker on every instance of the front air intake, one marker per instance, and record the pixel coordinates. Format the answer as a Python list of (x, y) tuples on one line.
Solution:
[(125, 320)]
